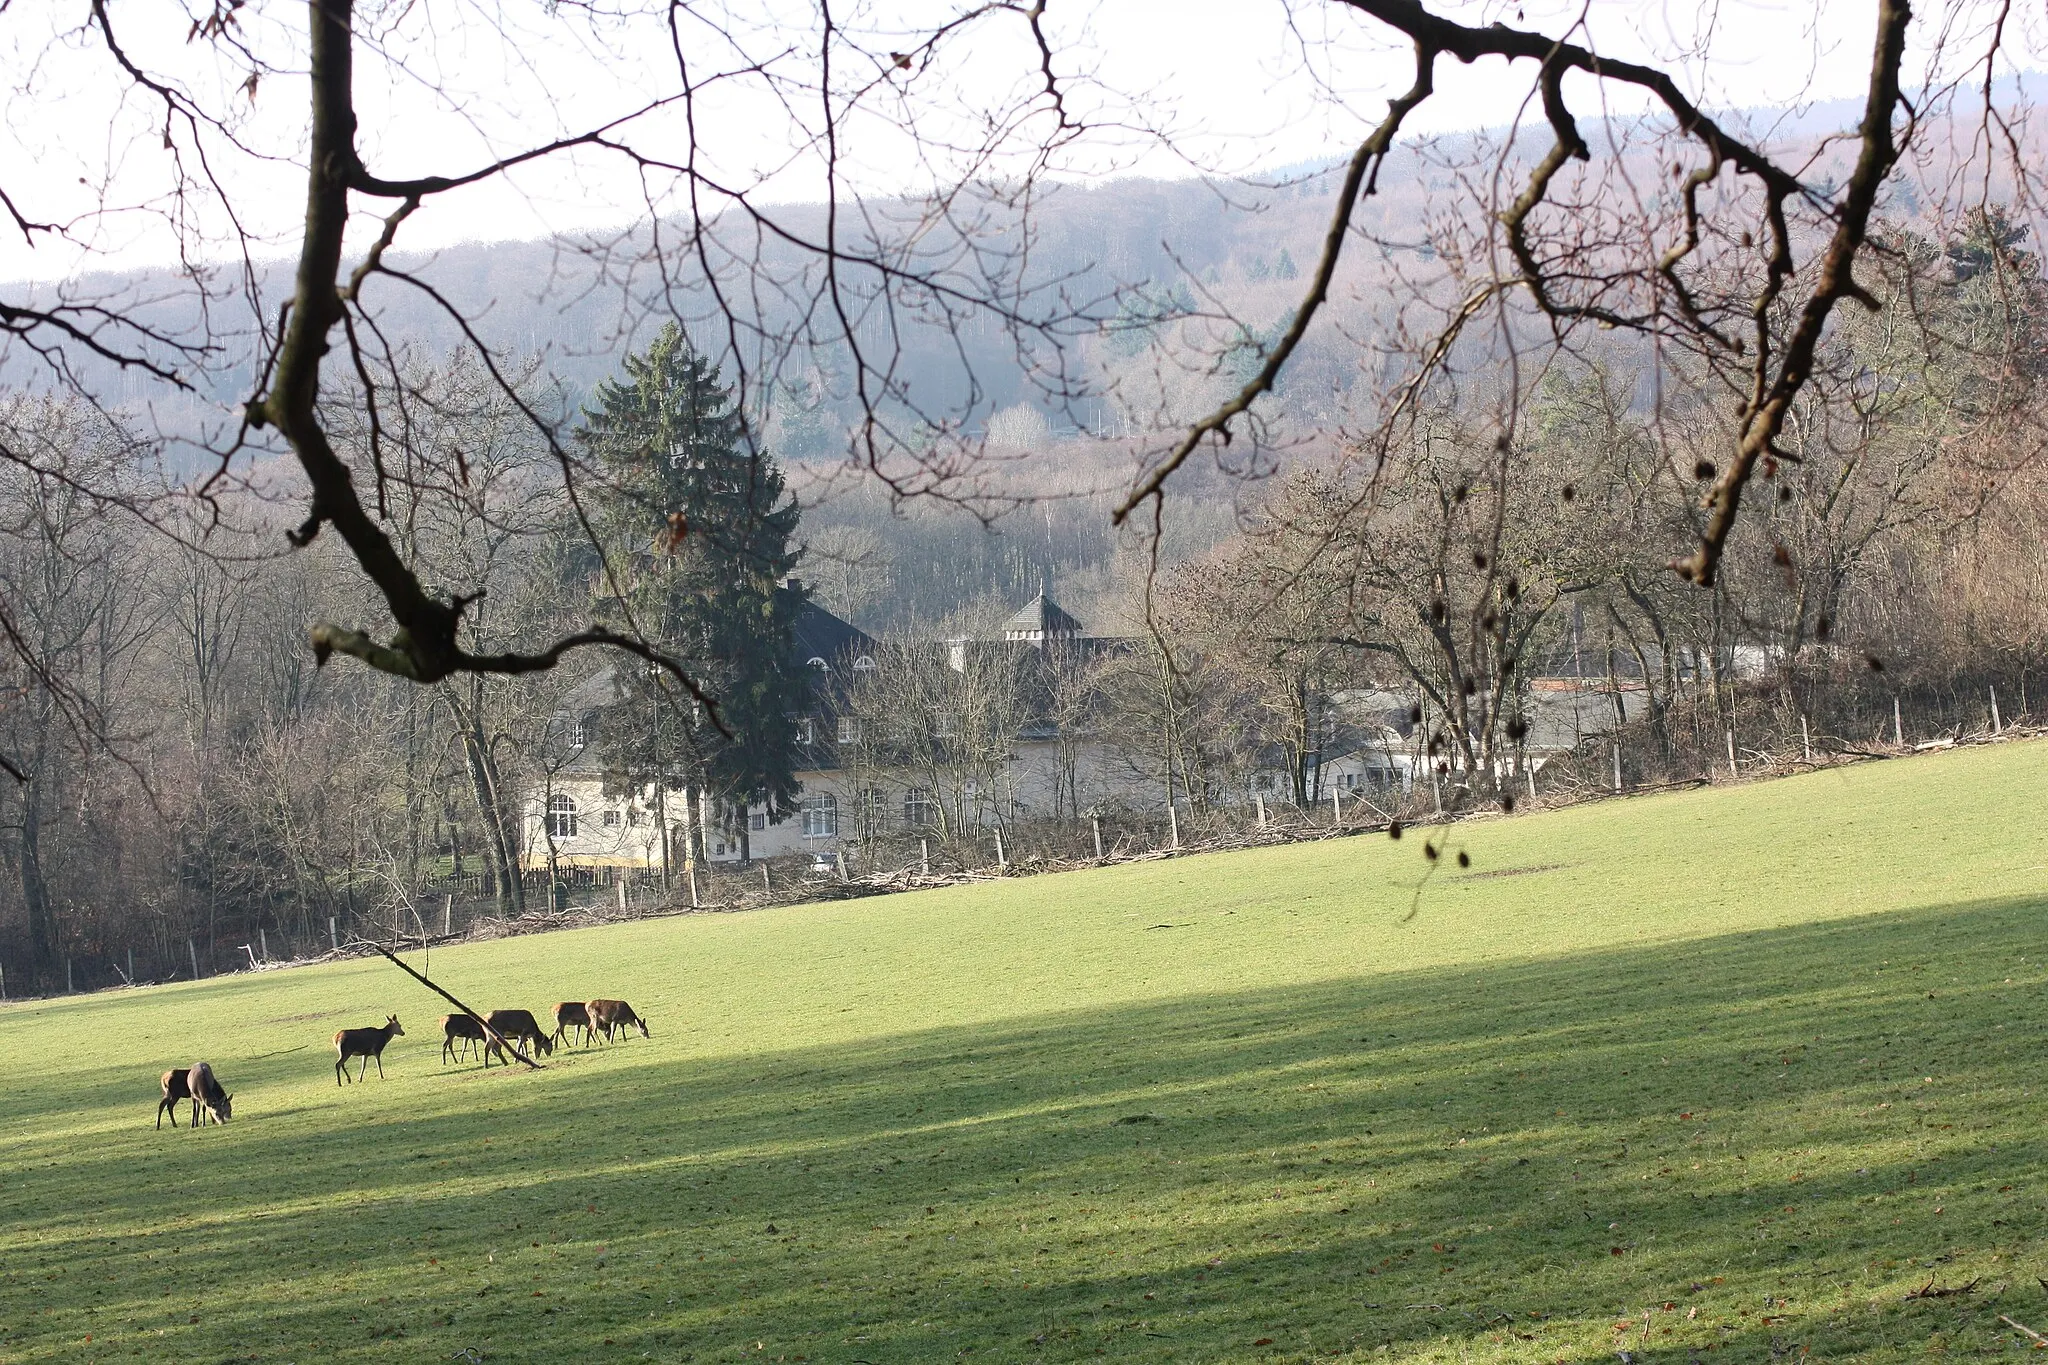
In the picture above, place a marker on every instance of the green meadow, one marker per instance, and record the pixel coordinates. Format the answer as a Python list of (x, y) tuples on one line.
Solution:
[(1737, 1074)]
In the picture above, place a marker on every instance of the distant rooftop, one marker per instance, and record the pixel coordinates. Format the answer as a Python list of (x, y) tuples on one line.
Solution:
[(1039, 620)]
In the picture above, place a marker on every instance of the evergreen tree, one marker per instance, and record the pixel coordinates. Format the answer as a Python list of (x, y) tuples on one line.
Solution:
[(698, 525)]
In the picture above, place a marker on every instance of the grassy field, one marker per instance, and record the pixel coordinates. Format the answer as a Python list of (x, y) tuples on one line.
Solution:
[(1718, 1075)]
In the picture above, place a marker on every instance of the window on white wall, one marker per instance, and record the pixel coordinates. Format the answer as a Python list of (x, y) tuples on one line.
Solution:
[(611, 819), (562, 817), (821, 817)]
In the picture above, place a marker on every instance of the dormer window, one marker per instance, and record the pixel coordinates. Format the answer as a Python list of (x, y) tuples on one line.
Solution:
[(806, 730), (864, 664), (815, 662)]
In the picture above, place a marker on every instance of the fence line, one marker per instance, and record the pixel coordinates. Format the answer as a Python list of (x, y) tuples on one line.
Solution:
[(611, 895)]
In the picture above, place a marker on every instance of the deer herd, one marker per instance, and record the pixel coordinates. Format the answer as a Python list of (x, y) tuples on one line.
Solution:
[(490, 1034)]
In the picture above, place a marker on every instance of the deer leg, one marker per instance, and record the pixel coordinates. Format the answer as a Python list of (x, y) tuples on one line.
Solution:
[(340, 1069), (380, 1066)]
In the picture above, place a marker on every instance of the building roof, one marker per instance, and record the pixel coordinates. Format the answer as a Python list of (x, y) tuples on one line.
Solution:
[(1040, 619), (815, 634), (818, 634)]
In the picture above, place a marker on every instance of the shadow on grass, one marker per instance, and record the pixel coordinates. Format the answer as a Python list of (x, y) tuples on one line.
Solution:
[(1751, 1145)]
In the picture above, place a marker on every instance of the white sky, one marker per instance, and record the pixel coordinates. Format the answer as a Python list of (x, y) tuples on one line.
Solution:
[(1238, 84)]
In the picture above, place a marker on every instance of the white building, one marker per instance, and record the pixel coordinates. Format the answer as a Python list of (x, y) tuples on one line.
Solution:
[(1369, 750)]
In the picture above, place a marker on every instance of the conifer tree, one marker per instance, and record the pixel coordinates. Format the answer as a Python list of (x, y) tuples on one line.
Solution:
[(698, 523)]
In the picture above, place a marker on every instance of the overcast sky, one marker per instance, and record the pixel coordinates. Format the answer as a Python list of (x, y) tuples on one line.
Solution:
[(1179, 87)]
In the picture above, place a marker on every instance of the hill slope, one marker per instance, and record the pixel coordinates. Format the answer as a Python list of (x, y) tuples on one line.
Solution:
[(1763, 1052)]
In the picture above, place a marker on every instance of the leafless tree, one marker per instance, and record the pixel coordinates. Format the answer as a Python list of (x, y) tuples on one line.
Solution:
[(1729, 247), (940, 718)]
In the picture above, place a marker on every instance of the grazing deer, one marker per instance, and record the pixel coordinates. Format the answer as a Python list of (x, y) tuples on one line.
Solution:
[(572, 1014), (364, 1043), (606, 1015), (515, 1026), (459, 1031), (197, 1084), (204, 1089), (176, 1089)]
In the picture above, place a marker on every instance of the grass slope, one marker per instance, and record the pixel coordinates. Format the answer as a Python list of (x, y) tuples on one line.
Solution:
[(1726, 1072)]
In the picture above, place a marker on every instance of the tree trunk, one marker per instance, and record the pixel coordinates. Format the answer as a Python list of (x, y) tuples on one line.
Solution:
[(483, 782), (35, 892)]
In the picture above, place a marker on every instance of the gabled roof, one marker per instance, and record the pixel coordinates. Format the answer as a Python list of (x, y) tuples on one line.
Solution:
[(1040, 619), (815, 634), (818, 634)]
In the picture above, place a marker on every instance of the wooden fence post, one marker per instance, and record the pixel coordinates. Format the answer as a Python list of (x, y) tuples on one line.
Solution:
[(194, 952), (1529, 771), (1436, 789), (839, 856), (1096, 822), (333, 935), (1617, 767), (766, 885), (67, 976), (131, 966), (1002, 860), (1996, 727), (924, 856), (1733, 773), (1898, 729), (1336, 806), (1173, 823), (691, 867), (1259, 800), (263, 942), (3, 981), (448, 914), (622, 895), (1805, 739)]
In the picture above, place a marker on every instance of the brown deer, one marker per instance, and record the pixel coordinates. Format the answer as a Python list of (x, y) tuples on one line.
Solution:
[(572, 1014), (176, 1089), (514, 1026), (460, 1032), (205, 1090), (364, 1043), (606, 1015), (197, 1084)]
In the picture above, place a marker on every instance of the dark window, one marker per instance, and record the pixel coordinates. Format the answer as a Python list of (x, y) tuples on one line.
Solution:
[(562, 817)]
